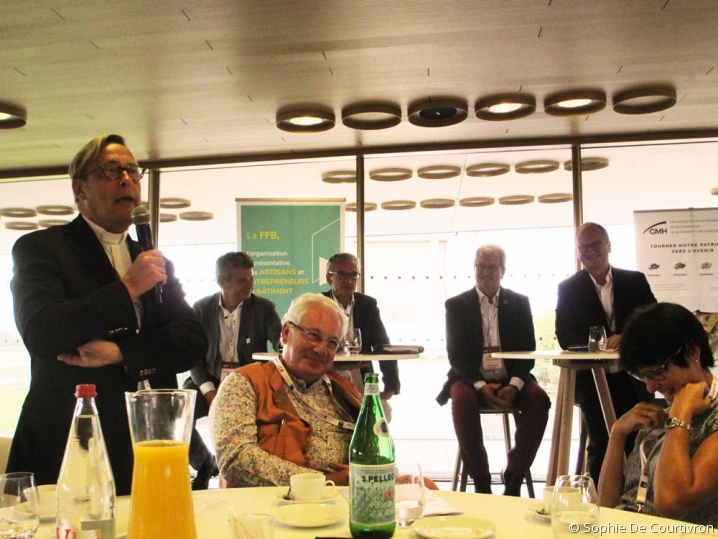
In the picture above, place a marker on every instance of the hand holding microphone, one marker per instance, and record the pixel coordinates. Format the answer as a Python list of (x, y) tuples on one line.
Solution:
[(148, 269)]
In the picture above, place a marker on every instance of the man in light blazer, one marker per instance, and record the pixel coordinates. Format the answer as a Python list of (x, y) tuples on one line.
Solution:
[(237, 324), (79, 293), (600, 295), (480, 321)]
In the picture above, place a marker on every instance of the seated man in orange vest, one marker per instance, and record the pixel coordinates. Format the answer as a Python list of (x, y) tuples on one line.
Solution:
[(291, 415)]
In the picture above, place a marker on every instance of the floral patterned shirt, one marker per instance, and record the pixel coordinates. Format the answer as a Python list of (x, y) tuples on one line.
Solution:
[(234, 434)]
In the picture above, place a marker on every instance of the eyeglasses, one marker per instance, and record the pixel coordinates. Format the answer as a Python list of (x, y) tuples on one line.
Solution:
[(316, 338), (354, 275), (656, 375), (595, 246), (113, 172), (493, 268)]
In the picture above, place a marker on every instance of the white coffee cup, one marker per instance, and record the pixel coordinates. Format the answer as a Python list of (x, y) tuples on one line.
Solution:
[(48, 500), (568, 492), (311, 487)]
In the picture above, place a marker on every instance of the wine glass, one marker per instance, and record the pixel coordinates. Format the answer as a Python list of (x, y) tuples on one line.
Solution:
[(352, 341), (596, 339), (409, 492), (574, 510), (19, 506)]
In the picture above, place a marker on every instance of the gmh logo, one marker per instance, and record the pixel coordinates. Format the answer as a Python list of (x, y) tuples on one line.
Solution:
[(657, 229)]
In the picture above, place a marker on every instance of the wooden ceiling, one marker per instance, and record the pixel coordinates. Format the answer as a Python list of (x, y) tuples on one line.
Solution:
[(202, 81)]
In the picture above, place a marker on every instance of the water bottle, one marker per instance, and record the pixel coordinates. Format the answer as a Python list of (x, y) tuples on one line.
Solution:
[(371, 469), (85, 487)]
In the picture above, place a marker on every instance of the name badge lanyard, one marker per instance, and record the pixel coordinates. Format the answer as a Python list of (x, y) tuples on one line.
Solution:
[(657, 433), (324, 416), (489, 324)]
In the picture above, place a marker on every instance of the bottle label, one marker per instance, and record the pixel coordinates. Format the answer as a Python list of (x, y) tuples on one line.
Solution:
[(371, 389), (89, 529), (381, 428), (371, 494)]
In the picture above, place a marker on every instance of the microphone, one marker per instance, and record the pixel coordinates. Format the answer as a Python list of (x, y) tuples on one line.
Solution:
[(141, 220)]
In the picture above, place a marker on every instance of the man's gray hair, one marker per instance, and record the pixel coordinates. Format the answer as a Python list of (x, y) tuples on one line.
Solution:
[(588, 225), (341, 257), (302, 304), (492, 247), (89, 153), (230, 261)]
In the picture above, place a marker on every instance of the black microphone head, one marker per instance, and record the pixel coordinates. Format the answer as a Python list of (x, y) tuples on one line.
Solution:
[(140, 216)]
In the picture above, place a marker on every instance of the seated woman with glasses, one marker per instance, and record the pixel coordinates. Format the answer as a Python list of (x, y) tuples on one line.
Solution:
[(673, 469)]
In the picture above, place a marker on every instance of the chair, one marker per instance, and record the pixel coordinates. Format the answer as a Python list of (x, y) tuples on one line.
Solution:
[(460, 474), (5, 443)]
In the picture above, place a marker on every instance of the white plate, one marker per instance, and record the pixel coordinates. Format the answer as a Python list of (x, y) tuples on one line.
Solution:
[(322, 514), (537, 509), (454, 528), (280, 497)]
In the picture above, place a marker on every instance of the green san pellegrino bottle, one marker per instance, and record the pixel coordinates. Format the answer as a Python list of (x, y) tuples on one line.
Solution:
[(371, 470)]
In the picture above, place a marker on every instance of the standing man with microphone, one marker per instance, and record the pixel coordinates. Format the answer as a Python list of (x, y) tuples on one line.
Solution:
[(82, 308)]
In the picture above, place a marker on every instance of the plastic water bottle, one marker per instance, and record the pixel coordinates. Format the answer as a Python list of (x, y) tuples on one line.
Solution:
[(85, 487), (371, 469)]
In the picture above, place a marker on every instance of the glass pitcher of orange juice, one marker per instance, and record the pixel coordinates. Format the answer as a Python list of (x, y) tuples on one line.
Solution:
[(161, 426)]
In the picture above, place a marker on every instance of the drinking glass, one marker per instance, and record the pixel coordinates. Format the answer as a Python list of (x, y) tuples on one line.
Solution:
[(574, 510), (161, 425), (19, 506), (352, 341), (409, 492), (596, 339)]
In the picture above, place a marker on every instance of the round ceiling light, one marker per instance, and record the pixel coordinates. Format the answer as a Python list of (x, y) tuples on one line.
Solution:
[(714, 191), (368, 206), (588, 164), (476, 202), (516, 200), (47, 223), (11, 116), (55, 209), (440, 113), (644, 100), (484, 170), (575, 103), (167, 217), (371, 117), (305, 121), (501, 107), (437, 203), (174, 203), (340, 176), (21, 225), (555, 198), (439, 172), (196, 216), (538, 166), (391, 174), (398, 205), (18, 212)]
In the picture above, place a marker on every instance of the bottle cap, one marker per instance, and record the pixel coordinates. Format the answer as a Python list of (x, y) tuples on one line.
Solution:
[(85, 391)]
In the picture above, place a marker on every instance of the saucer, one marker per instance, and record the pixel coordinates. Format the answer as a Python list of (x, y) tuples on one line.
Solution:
[(332, 495), (323, 514), (537, 509), (454, 528)]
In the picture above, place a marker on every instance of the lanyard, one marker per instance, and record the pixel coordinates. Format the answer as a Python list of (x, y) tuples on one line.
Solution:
[(489, 321), (324, 416)]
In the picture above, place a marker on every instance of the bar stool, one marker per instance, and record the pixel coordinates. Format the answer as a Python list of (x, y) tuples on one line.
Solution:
[(460, 474)]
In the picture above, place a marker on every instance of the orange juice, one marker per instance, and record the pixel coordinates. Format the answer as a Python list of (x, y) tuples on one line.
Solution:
[(161, 504)]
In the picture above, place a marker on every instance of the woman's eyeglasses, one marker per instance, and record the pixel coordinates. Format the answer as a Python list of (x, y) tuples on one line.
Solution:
[(656, 375)]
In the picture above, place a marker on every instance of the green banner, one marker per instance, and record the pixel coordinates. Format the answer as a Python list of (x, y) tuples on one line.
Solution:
[(290, 242)]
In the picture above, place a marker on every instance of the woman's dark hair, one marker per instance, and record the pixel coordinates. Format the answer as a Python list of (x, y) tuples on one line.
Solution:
[(655, 332)]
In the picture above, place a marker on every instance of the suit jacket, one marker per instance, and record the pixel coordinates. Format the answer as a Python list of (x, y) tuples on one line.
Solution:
[(465, 337), (258, 323), (367, 318), (66, 293), (579, 306)]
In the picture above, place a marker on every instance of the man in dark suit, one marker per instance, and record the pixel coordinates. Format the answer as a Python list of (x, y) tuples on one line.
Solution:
[(600, 295), (480, 321), (363, 313), (81, 308), (237, 323)]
